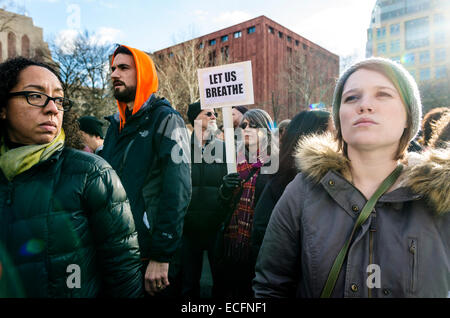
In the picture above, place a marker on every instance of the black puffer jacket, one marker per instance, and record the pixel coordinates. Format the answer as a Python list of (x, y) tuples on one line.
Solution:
[(205, 214), (69, 210)]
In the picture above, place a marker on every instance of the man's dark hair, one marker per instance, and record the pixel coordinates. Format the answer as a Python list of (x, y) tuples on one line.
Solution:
[(9, 77), (122, 50)]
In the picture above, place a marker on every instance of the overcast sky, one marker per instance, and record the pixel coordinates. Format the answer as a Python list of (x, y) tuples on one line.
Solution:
[(337, 25)]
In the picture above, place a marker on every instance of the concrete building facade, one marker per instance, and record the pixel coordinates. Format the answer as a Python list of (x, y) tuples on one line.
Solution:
[(269, 46), (20, 37), (415, 33)]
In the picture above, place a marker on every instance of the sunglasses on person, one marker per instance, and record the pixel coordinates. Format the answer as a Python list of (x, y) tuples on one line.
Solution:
[(41, 100), (245, 124), (209, 114)]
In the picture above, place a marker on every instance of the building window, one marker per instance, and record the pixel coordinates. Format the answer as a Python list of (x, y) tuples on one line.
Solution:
[(417, 5), (297, 42), (25, 46), (270, 29), (224, 51), (396, 59), (171, 54), (424, 57), (224, 38), (381, 33), (440, 55), (201, 45), (381, 48), (439, 37), (441, 72), (289, 39), (280, 35), (251, 30), (369, 34), (425, 74), (289, 49), (408, 59), (212, 42), (395, 46), (417, 33), (304, 46), (395, 29), (11, 45), (212, 58), (237, 34)]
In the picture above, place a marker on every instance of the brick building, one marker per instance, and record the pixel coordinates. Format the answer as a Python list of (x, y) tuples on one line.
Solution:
[(20, 37), (289, 71)]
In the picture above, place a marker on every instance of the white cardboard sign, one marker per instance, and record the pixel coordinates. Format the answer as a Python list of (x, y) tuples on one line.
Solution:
[(226, 85)]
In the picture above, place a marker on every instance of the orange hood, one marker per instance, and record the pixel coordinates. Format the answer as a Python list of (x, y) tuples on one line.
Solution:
[(147, 82)]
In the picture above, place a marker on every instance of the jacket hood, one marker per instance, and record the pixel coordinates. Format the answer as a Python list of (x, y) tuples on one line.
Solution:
[(147, 82), (426, 174)]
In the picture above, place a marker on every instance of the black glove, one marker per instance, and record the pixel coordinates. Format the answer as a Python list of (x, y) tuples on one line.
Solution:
[(230, 182)]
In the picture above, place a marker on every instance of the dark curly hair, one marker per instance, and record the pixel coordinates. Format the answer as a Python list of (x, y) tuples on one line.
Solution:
[(9, 77)]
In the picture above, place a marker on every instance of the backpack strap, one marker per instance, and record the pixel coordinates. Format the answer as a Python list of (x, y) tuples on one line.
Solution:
[(363, 216)]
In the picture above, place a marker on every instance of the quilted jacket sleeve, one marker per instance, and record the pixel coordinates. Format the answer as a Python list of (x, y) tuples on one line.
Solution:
[(278, 259), (176, 188), (115, 236)]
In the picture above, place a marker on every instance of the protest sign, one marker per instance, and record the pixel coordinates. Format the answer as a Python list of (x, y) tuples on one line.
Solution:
[(223, 87)]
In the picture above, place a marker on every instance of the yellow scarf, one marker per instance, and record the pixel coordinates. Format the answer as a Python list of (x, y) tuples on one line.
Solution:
[(17, 160)]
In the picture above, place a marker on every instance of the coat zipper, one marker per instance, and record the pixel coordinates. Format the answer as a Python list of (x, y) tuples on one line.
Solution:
[(371, 231), (413, 251)]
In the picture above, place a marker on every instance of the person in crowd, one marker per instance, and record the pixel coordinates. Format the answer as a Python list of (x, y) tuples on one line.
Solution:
[(303, 124), (66, 228), (144, 144), (441, 132), (359, 196), (204, 215), (239, 193), (92, 132), (282, 128), (428, 123), (237, 112)]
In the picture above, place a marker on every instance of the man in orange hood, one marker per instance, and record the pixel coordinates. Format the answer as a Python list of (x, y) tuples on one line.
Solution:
[(139, 145)]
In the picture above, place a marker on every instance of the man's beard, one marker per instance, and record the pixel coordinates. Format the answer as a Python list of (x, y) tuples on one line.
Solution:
[(127, 95)]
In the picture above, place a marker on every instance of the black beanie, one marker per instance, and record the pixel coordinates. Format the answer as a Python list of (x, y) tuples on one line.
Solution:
[(193, 111), (241, 109), (91, 125)]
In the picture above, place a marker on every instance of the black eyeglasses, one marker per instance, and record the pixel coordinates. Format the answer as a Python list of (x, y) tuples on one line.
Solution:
[(245, 124), (209, 114), (41, 100)]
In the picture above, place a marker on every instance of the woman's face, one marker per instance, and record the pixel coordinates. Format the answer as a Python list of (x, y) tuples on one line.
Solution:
[(27, 124), (250, 133), (372, 114)]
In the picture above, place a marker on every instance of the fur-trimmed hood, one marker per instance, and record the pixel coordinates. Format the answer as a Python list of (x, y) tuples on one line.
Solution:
[(427, 174)]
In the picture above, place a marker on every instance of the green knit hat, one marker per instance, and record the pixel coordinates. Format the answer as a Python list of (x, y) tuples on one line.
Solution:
[(406, 84)]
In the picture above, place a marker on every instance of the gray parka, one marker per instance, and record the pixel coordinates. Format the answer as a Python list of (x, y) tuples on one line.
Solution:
[(406, 238)]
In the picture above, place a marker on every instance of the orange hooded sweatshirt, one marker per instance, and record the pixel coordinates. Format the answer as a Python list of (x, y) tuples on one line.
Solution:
[(147, 82)]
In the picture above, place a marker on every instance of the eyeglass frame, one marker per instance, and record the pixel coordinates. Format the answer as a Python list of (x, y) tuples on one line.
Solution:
[(54, 99), (250, 125), (210, 113)]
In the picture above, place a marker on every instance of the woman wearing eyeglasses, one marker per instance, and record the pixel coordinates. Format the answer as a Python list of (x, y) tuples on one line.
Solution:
[(66, 228), (363, 218), (239, 194)]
